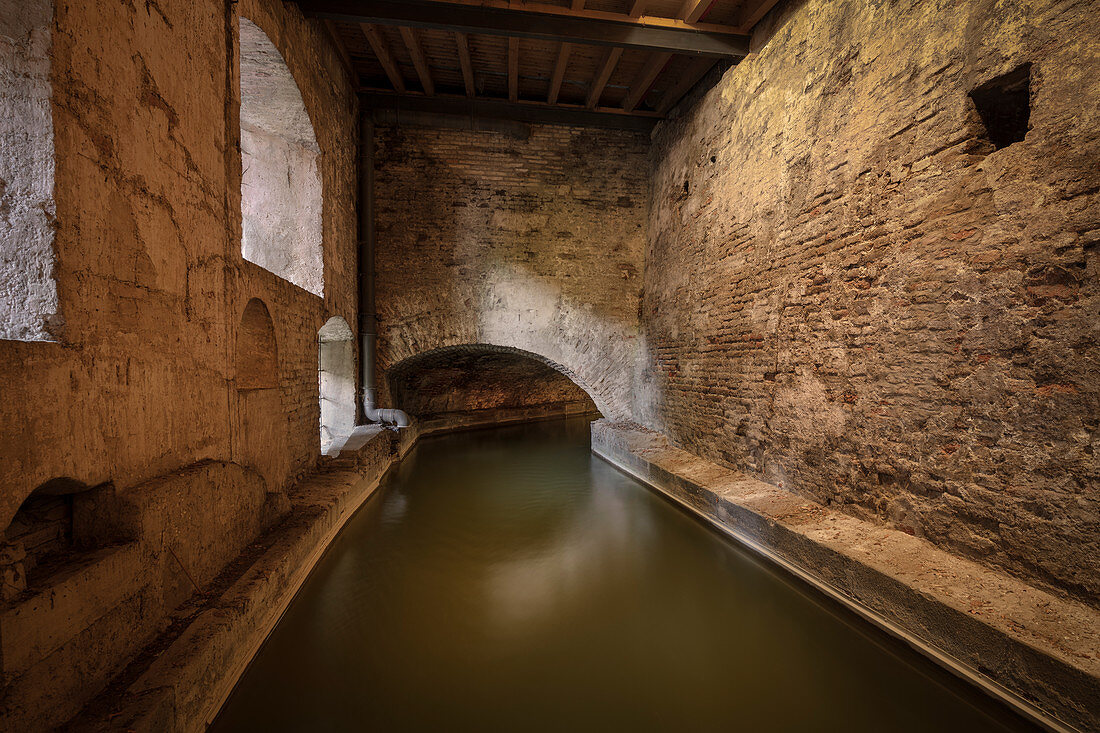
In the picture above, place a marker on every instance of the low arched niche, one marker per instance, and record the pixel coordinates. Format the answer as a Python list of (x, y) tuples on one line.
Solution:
[(41, 535), (336, 382), (261, 420), (281, 191), (480, 378)]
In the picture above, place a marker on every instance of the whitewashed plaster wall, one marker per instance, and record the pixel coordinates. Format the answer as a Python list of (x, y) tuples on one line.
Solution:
[(28, 292)]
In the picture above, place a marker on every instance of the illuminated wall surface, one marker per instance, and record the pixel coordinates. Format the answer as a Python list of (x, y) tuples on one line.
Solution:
[(859, 266)]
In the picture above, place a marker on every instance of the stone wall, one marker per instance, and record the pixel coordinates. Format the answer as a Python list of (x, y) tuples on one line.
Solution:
[(852, 294), (136, 404), (533, 242)]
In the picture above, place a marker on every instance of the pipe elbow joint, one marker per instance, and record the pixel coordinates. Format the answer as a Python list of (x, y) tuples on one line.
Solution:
[(386, 416)]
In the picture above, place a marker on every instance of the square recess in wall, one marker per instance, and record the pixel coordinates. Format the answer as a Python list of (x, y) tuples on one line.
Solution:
[(1004, 104)]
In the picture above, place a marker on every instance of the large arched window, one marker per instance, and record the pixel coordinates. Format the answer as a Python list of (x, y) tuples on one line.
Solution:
[(281, 181), (28, 292)]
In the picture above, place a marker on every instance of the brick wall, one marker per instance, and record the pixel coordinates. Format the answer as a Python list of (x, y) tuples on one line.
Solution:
[(139, 390), (536, 243), (151, 282), (850, 293)]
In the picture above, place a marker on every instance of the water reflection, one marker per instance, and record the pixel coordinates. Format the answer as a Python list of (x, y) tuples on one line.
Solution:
[(506, 580)]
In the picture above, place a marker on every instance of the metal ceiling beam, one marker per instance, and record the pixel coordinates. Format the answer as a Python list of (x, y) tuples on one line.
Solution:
[(623, 32), (531, 112)]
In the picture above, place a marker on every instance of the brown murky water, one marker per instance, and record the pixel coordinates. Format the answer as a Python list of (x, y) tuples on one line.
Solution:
[(508, 580)]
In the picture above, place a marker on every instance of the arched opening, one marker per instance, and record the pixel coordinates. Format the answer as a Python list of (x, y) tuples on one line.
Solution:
[(40, 537), (257, 352), (484, 382), (336, 382), (281, 195), (261, 420), (28, 291)]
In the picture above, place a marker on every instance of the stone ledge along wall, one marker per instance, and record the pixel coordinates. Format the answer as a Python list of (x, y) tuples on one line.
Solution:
[(137, 396), (850, 293), (536, 243)]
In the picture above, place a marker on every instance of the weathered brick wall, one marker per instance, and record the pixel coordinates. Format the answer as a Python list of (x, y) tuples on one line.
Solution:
[(534, 243), (151, 289), (851, 294), (150, 278)]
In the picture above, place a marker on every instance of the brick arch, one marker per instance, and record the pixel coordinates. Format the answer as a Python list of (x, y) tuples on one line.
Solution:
[(443, 354)]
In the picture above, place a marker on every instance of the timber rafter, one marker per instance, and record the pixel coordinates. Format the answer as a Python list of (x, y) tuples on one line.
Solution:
[(517, 59)]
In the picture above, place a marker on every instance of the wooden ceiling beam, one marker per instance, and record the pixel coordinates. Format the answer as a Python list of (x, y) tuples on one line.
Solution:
[(603, 74), (382, 53), (535, 112), (419, 61), (558, 76), (550, 23), (463, 44), (562, 63), (642, 83), (513, 70), (692, 10), (537, 6), (695, 72)]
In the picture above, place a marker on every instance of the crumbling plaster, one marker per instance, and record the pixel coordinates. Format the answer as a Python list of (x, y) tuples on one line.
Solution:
[(28, 293), (281, 194)]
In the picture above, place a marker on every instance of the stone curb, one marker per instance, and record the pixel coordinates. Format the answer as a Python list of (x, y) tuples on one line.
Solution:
[(1035, 651), (183, 689)]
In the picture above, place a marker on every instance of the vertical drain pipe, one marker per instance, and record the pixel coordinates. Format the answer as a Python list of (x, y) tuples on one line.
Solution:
[(368, 320)]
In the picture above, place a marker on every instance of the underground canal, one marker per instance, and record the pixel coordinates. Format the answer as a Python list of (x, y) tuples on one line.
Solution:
[(509, 580)]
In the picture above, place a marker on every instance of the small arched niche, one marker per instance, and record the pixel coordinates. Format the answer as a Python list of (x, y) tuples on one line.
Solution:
[(40, 537), (257, 351), (480, 379), (336, 382), (261, 419), (281, 193)]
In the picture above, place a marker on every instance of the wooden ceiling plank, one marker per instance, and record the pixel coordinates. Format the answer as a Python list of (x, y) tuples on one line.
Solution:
[(382, 53), (562, 63), (642, 83), (603, 74), (513, 70), (559, 72), (692, 10), (419, 61), (537, 112), (463, 44), (690, 78), (549, 23)]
